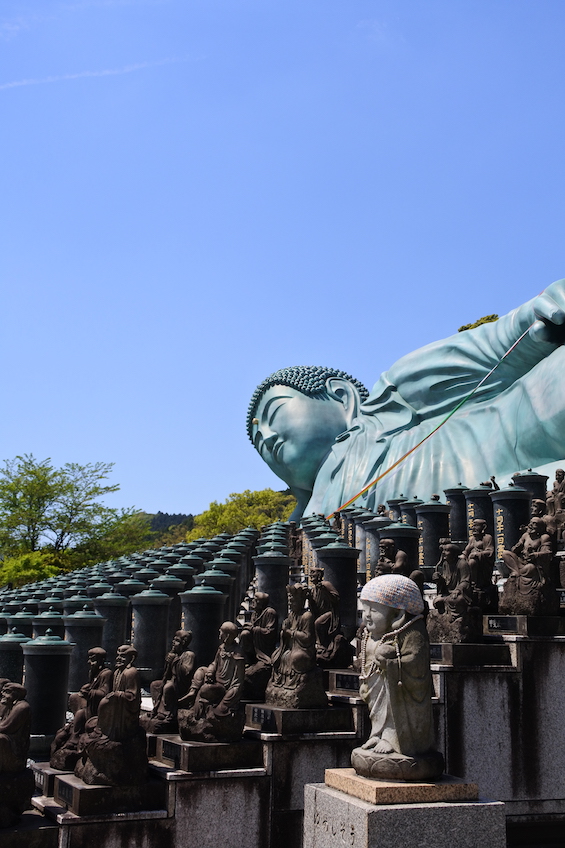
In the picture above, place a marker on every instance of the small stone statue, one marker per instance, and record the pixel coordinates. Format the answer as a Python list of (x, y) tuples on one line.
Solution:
[(212, 710), (15, 723), (455, 617), (114, 753), (391, 560), (396, 684), (382, 511), (529, 590), (257, 641), (68, 746), (296, 680), (479, 553), (16, 781), (168, 693), (332, 648), (556, 498)]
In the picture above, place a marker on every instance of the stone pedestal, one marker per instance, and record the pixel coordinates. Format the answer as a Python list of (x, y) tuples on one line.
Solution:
[(270, 719), (172, 751), (88, 800), (335, 818)]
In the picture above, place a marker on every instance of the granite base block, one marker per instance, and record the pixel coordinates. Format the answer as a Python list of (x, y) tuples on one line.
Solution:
[(333, 818), (472, 655), (207, 756), (88, 800), (394, 792), (45, 776), (291, 722), (534, 626)]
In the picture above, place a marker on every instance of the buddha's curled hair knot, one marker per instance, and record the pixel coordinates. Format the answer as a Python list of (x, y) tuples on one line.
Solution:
[(308, 379)]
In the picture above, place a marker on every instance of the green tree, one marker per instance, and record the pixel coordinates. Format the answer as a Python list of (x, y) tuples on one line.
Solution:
[(245, 509), (486, 319), (58, 513), (27, 568)]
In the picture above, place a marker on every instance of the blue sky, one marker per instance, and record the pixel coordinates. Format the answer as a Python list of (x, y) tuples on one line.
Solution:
[(198, 192)]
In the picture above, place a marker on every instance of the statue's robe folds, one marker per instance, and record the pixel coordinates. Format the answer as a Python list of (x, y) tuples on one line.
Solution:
[(14, 737), (118, 712), (403, 713), (515, 421)]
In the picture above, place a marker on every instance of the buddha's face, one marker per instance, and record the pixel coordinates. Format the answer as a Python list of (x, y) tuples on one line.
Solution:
[(294, 433)]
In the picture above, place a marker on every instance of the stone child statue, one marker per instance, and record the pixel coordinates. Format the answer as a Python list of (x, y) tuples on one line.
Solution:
[(68, 745), (211, 710), (396, 684), (169, 692)]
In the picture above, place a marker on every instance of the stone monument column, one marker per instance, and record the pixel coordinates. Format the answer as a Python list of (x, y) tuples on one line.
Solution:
[(339, 562), (149, 632), (46, 663), (273, 574), (203, 613), (115, 609), (455, 497)]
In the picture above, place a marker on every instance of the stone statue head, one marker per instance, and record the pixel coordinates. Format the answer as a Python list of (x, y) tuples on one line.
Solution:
[(181, 641), (260, 601), (295, 416), (125, 655), (228, 632), (539, 507), (297, 596), (96, 658), (388, 602), (536, 527), (316, 575), (560, 475), (11, 694), (479, 528), (387, 548)]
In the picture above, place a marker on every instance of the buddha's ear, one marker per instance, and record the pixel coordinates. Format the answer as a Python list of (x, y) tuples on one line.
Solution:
[(346, 393)]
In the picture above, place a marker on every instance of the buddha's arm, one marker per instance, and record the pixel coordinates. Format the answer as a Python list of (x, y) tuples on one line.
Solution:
[(435, 377)]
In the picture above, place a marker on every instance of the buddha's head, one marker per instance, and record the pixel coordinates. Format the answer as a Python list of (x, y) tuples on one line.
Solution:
[(295, 416)]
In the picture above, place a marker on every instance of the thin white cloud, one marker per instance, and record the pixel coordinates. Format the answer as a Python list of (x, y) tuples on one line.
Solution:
[(109, 72)]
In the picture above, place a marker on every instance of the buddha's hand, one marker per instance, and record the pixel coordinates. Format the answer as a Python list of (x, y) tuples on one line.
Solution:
[(549, 310)]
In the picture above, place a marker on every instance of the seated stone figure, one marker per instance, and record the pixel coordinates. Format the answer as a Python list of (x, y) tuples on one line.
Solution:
[(396, 683), (211, 710), (391, 560), (114, 750), (529, 590), (556, 498), (321, 431), (257, 641), (68, 745), (455, 617), (16, 781), (332, 648), (480, 556), (169, 692), (15, 723), (296, 680)]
